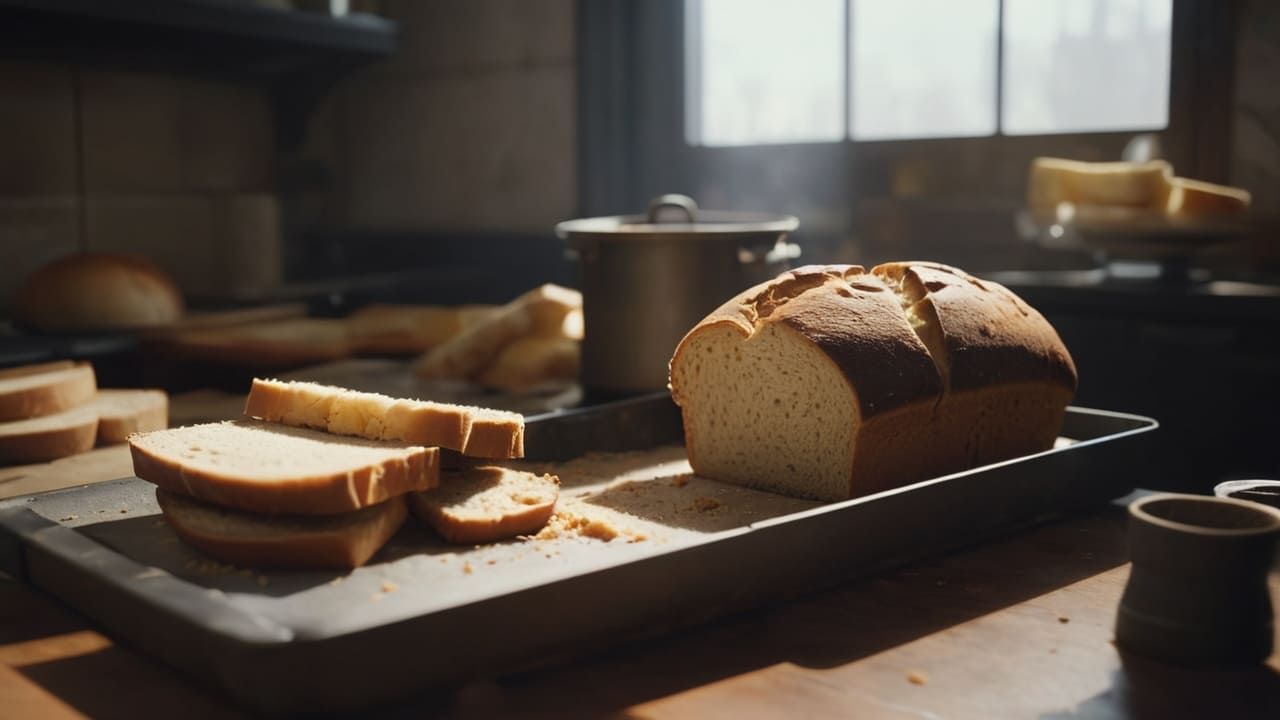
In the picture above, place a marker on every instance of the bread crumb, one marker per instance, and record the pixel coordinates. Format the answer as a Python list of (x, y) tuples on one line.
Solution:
[(703, 503), (490, 561), (466, 567), (388, 586), (680, 480), (124, 511), (567, 524), (69, 518), (1064, 620), (915, 677)]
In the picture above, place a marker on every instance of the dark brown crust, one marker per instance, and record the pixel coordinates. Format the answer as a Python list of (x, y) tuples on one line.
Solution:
[(314, 495), (991, 336), (340, 547), (854, 318)]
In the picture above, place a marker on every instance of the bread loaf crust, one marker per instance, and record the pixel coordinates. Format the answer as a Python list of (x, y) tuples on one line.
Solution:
[(945, 372), (989, 335), (98, 291)]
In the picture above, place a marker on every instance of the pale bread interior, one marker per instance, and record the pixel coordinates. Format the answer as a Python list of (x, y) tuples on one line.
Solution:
[(75, 417), (771, 411), (490, 493), (262, 452)]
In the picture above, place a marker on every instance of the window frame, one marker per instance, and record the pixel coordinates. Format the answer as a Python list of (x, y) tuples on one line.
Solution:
[(632, 134)]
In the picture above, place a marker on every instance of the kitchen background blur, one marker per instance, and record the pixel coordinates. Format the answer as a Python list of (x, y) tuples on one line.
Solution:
[(343, 153)]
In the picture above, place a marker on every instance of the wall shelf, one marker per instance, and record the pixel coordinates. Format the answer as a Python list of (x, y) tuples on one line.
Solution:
[(297, 55)]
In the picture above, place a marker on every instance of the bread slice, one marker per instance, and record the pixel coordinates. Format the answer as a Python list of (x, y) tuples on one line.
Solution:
[(545, 310), (276, 343), (124, 412), (1141, 185), (472, 431), (48, 437), (401, 329), (293, 542), (269, 468), (1196, 197), (831, 382), (485, 504), (533, 360), (36, 393)]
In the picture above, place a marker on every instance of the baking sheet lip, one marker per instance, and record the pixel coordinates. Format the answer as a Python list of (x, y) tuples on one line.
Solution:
[(1142, 423), (174, 601)]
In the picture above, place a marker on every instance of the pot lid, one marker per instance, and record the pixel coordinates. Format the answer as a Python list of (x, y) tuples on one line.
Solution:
[(678, 216)]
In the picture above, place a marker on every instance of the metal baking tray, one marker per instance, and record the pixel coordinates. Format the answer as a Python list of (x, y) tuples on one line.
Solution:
[(424, 615)]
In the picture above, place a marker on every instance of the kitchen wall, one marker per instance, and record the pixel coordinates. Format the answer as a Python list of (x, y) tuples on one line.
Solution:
[(176, 168), (471, 127), (469, 130)]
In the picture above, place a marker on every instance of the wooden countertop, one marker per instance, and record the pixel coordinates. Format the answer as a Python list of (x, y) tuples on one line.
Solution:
[(1017, 628)]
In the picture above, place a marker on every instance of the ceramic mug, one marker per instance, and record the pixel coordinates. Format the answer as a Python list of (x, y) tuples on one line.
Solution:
[(1197, 592)]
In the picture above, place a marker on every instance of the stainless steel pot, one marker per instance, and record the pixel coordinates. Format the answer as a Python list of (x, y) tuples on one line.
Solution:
[(646, 280)]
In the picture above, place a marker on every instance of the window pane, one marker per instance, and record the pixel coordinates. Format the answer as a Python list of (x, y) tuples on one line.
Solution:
[(922, 68), (1086, 65), (763, 71)]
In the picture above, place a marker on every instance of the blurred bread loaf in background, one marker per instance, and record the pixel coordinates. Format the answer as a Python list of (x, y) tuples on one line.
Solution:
[(1150, 187), (97, 291)]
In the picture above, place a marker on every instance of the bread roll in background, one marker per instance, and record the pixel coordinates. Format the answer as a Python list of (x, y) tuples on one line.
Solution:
[(97, 291)]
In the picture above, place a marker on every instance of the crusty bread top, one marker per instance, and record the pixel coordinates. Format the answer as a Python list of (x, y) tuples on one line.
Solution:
[(42, 393), (853, 317), (270, 468), (979, 332), (904, 332), (472, 431), (98, 291)]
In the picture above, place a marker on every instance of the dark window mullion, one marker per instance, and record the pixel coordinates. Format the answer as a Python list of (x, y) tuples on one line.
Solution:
[(848, 70), (999, 68)]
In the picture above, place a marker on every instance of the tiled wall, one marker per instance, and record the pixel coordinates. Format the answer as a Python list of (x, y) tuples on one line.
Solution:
[(176, 168), (471, 126)]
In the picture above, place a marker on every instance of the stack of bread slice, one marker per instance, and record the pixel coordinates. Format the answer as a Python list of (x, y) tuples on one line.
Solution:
[(54, 409), (321, 477)]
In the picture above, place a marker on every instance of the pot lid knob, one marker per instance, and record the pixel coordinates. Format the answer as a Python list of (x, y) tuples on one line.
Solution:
[(682, 203)]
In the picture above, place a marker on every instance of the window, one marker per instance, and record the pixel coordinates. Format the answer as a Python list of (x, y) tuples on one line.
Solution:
[(762, 72)]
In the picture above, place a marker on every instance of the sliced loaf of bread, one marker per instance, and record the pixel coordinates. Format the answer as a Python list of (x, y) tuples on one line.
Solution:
[(294, 542), (486, 504), (124, 412), (31, 392), (834, 381), (477, 432), (48, 437), (273, 469)]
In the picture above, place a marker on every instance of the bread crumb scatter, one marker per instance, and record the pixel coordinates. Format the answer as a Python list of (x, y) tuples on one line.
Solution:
[(680, 480), (466, 568), (388, 586), (915, 677), (69, 518), (705, 504)]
